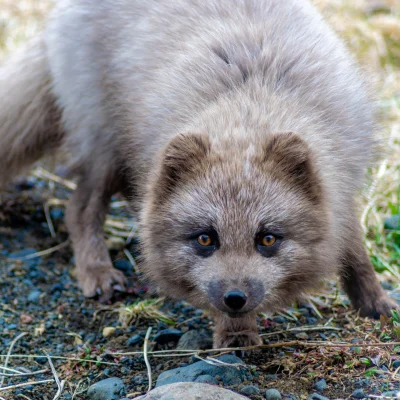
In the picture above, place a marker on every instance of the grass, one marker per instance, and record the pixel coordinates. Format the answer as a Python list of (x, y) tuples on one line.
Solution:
[(372, 31)]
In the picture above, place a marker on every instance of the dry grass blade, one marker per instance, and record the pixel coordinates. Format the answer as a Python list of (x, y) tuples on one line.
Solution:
[(5, 388), (21, 374), (44, 252), (146, 359), (9, 354), (60, 384), (303, 329)]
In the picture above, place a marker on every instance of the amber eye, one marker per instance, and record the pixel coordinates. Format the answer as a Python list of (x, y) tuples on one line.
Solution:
[(204, 240), (268, 240)]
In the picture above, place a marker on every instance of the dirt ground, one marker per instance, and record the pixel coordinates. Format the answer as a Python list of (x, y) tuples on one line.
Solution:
[(40, 298)]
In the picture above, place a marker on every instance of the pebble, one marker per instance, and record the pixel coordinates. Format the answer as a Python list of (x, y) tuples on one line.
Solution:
[(396, 364), (228, 376), (195, 340), (107, 389), (34, 296), (108, 331), (358, 394), (249, 390), (168, 335), (273, 394), (138, 380), (135, 339), (279, 319), (316, 396), (302, 336), (320, 386)]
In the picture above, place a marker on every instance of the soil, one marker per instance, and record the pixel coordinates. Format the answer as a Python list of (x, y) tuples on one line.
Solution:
[(40, 296)]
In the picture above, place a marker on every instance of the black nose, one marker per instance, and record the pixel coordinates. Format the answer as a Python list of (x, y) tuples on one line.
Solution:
[(235, 299)]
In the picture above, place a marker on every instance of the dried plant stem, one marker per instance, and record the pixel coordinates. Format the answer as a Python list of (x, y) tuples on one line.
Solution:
[(146, 359), (9, 353)]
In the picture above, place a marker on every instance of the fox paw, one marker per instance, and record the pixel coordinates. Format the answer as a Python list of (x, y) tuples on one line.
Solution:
[(383, 305), (101, 279), (236, 339)]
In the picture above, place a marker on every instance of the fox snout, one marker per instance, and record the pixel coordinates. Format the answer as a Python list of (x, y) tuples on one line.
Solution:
[(236, 298)]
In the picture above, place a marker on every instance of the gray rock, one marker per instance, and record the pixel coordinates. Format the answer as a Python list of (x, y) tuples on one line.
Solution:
[(207, 379), (273, 394), (320, 386), (249, 390), (107, 389), (191, 391), (229, 375), (358, 394), (316, 396), (195, 340)]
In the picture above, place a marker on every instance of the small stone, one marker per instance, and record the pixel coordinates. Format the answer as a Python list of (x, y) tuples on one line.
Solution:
[(358, 394), (279, 319), (12, 326), (168, 335), (194, 340), (396, 364), (138, 380), (302, 336), (108, 331), (107, 389), (320, 386), (273, 394), (316, 396), (133, 340), (25, 319), (34, 296), (207, 379), (249, 390)]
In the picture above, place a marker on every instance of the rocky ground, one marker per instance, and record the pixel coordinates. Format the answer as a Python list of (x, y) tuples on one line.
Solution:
[(43, 313)]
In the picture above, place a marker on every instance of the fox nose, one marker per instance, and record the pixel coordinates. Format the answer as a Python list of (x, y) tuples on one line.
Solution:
[(235, 299)]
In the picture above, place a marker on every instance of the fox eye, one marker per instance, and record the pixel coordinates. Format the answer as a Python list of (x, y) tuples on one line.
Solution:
[(268, 240), (205, 240), (267, 244)]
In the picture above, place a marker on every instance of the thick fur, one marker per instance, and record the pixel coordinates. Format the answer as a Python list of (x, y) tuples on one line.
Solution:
[(239, 116)]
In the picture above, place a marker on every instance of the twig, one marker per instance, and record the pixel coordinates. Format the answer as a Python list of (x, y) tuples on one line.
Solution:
[(219, 363), (42, 371), (305, 329), (9, 354), (48, 220), (63, 358), (3, 389), (146, 360), (44, 252), (131, 260), (40, 172), (60, 385)]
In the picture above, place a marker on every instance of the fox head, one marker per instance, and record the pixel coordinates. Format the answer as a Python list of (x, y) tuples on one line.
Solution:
[(235, 228)]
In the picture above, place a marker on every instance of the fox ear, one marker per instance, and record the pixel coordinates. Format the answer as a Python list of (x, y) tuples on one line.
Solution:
[(183, 156), (290, 158)]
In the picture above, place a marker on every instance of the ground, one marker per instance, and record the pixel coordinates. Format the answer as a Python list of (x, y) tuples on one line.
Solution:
[(43, 312)]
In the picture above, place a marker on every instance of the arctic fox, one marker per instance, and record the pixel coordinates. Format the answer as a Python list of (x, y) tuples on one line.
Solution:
[(240, 130)]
